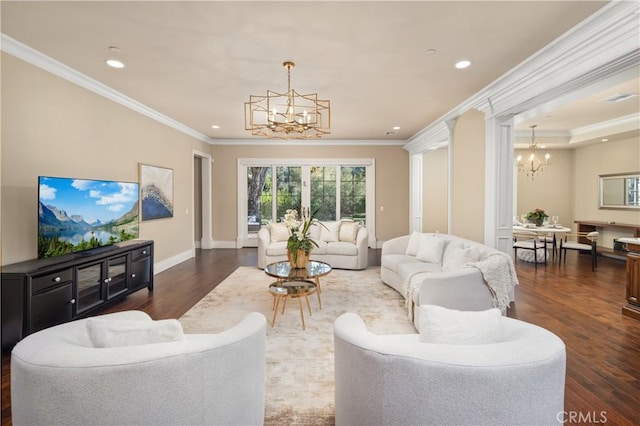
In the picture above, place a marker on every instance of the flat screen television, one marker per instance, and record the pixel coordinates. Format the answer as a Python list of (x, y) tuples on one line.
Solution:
[(76, 215)]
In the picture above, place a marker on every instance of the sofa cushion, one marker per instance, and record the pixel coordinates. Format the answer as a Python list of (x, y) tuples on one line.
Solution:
[(431, 249), (321, 249), (451, 248), (348, 232), (277, 249), (314, 231), (414, 243), (452, 327), (330, 231), (393, 261), (342, 248), (409, 269), (279, 232), (109, 333), (461, 256)]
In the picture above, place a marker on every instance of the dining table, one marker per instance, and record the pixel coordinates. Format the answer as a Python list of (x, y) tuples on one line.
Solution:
[(546, 230)]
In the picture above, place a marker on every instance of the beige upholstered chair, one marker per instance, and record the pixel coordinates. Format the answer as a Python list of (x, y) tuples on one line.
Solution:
[(58, 377), (529, 240), (582, 242)]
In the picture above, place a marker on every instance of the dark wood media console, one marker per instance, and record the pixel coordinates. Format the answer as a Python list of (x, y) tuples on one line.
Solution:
[(41, 293)]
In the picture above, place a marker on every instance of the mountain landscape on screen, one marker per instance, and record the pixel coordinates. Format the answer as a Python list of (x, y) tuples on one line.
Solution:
[(76, 214)]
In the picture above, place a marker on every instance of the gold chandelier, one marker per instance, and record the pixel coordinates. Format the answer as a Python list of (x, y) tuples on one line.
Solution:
[(533, 164), (287, 115)]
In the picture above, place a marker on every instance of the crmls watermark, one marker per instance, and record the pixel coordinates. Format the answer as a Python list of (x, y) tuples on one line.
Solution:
[(591, 417)]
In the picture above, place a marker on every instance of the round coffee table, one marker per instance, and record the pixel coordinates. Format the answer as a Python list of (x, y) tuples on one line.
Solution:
[(295, 283)]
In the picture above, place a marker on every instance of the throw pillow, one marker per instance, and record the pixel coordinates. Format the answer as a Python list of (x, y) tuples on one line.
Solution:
[(461, 256), (109, 333), (414, 244), (279, 232), (452, 327), (431, 249), (348, 231), (330, 232)]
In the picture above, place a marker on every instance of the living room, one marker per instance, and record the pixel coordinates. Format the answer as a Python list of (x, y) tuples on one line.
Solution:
[(53, 125)]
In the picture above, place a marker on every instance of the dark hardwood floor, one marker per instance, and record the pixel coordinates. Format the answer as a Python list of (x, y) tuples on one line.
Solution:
[(580, 306)]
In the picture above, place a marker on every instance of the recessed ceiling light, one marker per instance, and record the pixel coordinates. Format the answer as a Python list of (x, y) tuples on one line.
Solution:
[(215, 126), (604, 140), (396, 127), (430, 51), (390, 133), (114, 63), (114, 48), (463, 64)]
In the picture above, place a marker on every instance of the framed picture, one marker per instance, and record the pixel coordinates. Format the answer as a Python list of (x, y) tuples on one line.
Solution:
[(156, 192)]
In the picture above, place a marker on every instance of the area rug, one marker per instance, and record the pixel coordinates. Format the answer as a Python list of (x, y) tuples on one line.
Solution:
[(299, 372)]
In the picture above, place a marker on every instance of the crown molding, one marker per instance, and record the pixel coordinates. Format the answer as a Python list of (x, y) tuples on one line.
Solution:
[(309, 142), (607, 125), (604, 44), (429, 138), (40, 60), (542, 133)]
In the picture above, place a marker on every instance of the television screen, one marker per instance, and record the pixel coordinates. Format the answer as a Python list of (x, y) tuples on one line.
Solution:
[(80, 214)]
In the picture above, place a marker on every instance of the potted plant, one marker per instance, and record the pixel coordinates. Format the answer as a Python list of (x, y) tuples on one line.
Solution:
[(299, 244), (537, 216)]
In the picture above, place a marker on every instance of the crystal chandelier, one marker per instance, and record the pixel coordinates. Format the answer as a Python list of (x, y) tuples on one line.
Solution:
[(533, 164), (287, 115)]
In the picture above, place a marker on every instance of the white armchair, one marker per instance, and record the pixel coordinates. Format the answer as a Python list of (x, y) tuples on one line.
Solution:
[(395, 379), (59, 377)]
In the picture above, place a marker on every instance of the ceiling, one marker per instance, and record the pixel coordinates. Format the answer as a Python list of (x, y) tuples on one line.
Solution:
[(198, 62)]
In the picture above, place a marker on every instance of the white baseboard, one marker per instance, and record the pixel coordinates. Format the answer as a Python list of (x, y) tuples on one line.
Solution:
[(172, 261), (223, 244), (207, 244)]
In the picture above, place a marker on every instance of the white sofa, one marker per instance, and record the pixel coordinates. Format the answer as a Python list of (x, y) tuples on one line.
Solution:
[(59, 377), (398, 380), (342, 244), (449, 271)]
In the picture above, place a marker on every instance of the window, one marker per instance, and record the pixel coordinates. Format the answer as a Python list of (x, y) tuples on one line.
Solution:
[(323, 192), (336, 189), (353, 193)]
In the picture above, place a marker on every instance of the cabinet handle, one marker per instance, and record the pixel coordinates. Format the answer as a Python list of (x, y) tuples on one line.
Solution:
[(72, 301), (144, 252), (107, 281), (57, 279), (133, 275)]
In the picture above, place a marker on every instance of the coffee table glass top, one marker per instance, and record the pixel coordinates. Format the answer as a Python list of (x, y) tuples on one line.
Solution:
[(284, 271)]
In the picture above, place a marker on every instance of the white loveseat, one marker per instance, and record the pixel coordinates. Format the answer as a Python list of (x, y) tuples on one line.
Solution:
[(449, 271), (342, 244)]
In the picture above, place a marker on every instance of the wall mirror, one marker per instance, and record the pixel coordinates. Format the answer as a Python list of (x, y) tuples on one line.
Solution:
[(620, 191)]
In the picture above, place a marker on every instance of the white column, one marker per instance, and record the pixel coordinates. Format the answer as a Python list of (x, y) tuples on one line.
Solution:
[(415, 194), (498, 225)]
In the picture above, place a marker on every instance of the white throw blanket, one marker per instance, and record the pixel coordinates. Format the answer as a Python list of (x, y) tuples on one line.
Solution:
[(500, 276), (498, 273)]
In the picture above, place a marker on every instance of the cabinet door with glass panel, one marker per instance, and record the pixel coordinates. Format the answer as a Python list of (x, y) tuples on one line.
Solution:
[(100, 281)]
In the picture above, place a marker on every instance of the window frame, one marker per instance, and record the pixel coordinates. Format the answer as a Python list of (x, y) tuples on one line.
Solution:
[(245, 239)]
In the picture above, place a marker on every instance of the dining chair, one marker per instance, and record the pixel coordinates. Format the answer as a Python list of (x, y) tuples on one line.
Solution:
[(575, 241), (529, 240)]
